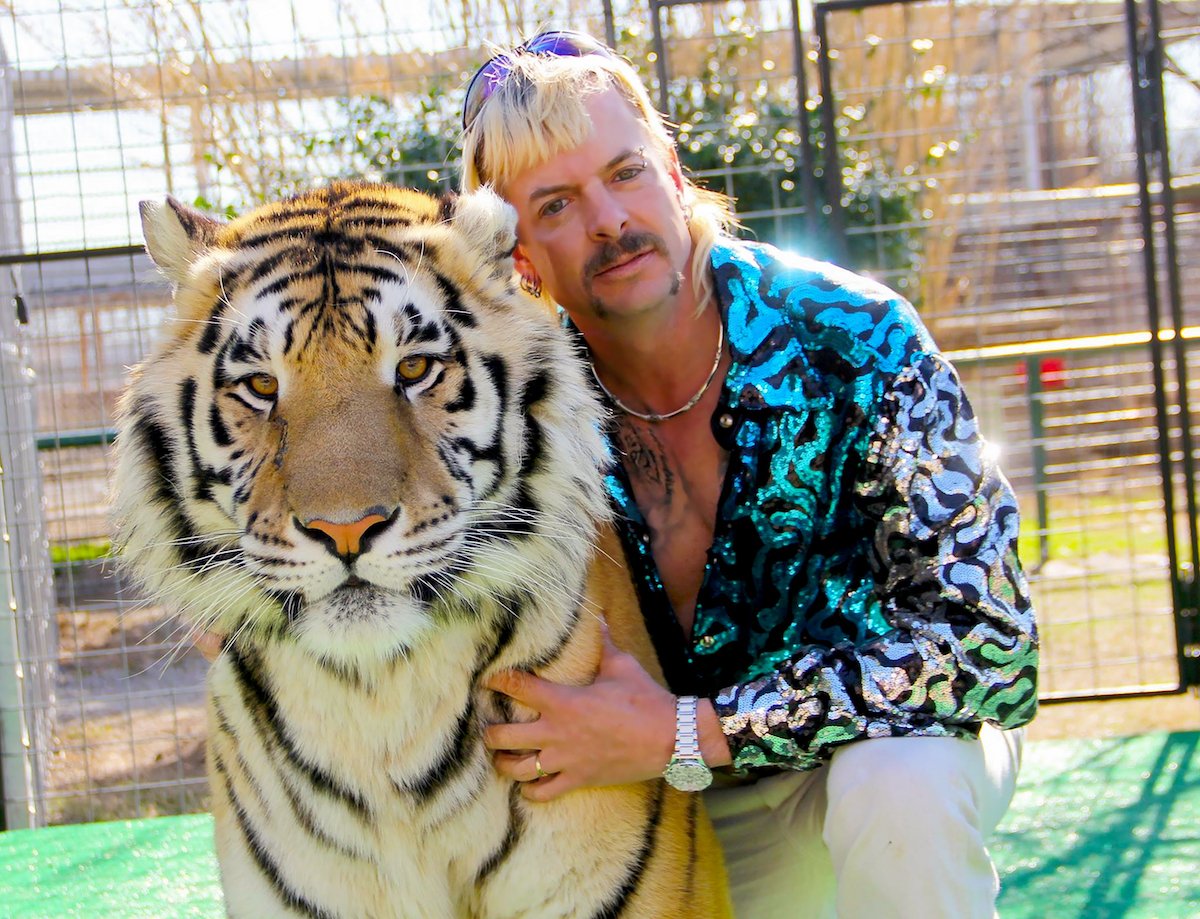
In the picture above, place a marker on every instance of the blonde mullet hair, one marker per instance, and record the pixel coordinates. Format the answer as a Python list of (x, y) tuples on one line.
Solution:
[(539, 111)]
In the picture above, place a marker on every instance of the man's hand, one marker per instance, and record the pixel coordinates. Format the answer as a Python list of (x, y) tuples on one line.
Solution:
[(618, 730), (209, 644)]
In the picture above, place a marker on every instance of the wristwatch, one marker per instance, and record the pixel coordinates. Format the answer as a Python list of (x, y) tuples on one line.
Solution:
[(686, 770)]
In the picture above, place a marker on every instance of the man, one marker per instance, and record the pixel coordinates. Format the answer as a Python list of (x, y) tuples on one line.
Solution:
[(825, 555)]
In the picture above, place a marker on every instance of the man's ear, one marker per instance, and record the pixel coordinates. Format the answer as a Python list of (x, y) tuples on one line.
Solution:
[(674, 168), (525, 267)]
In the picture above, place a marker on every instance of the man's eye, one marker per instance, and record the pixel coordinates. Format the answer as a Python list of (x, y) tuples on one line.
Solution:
[(550, 208), (262, 385), (628, 173)]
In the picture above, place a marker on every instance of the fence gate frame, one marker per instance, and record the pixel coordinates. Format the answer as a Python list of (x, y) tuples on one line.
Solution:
[(807, 164), (1156, 204)]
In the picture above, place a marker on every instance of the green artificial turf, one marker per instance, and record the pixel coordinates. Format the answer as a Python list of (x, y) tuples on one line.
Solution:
[(1104, 828), (1098, 829), (162, 868)]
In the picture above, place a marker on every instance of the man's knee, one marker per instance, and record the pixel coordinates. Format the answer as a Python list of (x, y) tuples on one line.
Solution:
[(897, 808), (921, 777)]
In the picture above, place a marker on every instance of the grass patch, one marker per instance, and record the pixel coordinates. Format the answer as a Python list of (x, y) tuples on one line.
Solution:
[(1102, 589), (69, 553), (95, 806), (1109, 523)]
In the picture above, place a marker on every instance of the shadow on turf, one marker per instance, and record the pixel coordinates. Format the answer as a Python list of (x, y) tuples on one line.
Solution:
[(1105, 829)]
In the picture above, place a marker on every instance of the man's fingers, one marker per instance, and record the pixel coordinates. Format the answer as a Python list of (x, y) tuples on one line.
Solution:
[(529, 768), (520, 767), (548, 788), (518, 736), (613, 658), (523, 687), (209, 645), (606, 634)]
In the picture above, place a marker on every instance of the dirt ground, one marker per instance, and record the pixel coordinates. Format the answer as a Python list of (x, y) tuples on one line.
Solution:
[(1116, 717), (130, 719), (129, 738)]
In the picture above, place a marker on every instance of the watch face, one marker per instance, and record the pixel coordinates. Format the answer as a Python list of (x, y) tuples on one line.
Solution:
[(688, 775)]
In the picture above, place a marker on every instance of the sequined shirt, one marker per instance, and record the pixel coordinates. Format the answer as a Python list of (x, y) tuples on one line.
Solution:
[(863, 579)]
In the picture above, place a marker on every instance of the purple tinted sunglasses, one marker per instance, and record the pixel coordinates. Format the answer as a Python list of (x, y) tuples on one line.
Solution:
[(553, 44)]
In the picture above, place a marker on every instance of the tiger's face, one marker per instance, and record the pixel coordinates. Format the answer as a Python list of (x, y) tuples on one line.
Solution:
[(355, 427)]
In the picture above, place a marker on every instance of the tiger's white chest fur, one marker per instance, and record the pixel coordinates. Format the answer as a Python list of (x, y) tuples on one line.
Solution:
[(356, 796)]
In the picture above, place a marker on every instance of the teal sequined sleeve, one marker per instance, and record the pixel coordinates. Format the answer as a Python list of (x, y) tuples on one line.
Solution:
[(960, 643)]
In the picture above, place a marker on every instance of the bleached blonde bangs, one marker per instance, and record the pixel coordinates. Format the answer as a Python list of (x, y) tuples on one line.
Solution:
[(539, 111)]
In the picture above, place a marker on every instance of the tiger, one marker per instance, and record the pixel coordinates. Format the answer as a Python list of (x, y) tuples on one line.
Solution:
[(364, 457)]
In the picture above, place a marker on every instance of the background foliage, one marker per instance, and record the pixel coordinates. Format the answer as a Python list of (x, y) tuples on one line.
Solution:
[(735, 134)]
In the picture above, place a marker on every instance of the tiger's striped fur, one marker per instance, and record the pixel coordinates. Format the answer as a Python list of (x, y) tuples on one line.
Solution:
[(374, 546)]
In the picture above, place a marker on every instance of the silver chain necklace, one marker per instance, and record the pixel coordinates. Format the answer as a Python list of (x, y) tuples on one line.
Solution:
[(654, 416)]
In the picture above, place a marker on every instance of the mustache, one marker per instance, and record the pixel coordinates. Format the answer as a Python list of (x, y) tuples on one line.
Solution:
[(612, 252)]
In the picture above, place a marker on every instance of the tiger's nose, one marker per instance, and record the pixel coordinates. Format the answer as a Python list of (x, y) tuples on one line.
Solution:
[(346, 538)]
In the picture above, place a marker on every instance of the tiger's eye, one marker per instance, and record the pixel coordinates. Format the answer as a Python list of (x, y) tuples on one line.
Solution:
[(263, 384), (413, 369)]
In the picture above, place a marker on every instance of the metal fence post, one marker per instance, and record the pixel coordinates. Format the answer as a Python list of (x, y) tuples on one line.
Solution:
[(610, 25), (839, 249), (1037, 434), (10, 734), (28, 629)]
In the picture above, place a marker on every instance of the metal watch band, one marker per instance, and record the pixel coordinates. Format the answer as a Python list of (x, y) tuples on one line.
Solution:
[(687, 771), (687, 738)]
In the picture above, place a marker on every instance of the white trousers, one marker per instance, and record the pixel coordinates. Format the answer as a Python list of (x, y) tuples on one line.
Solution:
[(890, 827)]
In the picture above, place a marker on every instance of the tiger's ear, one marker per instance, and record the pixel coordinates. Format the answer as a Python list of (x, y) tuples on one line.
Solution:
[(487, 221), (176, 235)]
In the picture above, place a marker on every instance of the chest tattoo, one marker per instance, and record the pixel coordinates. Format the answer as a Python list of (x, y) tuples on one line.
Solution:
[(645, 460)]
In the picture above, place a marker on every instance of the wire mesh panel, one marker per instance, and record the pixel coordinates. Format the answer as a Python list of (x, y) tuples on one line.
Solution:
[(731, 77), (1009, 129), (222, 104), (27, 631), (986, 179), (129, 726)]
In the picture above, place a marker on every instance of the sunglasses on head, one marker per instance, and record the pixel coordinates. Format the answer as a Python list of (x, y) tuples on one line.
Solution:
[(491, 75)]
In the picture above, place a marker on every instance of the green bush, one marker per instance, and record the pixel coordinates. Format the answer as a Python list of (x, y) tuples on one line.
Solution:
[(746, 130), (69, 553)]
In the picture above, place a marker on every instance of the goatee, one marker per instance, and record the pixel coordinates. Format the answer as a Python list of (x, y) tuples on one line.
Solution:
[(610, 253)]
